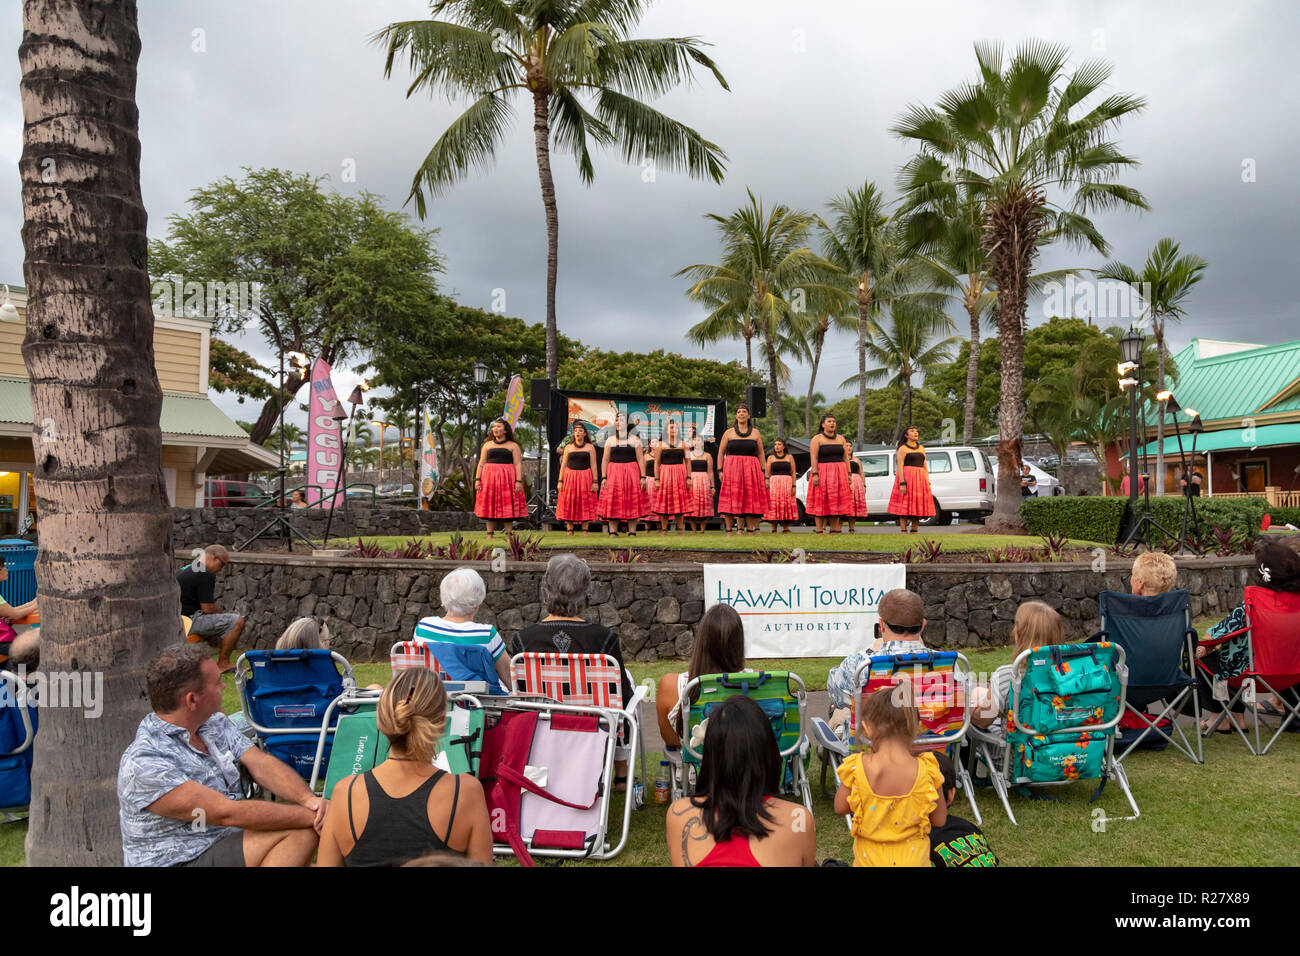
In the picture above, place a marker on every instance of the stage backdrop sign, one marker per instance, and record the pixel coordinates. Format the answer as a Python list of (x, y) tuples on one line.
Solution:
[(803, 610), (323, 453), (649, 418)]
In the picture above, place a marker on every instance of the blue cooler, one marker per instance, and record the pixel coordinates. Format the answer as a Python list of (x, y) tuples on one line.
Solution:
[(20, 559)]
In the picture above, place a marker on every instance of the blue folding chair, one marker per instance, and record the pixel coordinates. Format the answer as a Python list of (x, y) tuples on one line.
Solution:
[(18, 719), (463, 663), (286, 698), (1160, 649)]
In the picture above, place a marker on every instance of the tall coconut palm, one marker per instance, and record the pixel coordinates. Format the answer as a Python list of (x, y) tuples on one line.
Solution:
[(1164, 284), (1012, 137), (768, 272), (558, 54), (727, 321), (821, 325), (943, 226), (863, 242), (905, 347), (104, 572)]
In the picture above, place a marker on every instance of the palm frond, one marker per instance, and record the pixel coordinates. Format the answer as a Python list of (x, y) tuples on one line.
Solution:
[(470, 141), (645, 133)]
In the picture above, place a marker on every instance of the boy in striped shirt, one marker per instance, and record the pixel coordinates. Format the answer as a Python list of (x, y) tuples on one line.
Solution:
[(462, 593)]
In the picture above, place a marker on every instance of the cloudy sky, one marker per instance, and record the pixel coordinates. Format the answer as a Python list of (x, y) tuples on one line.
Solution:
[(814, 89)]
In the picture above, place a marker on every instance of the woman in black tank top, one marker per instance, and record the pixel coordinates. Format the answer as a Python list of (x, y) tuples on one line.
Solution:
[(406, 808)]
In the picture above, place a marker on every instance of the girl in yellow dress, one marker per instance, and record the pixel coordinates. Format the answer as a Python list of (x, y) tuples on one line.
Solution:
[(893, 795)]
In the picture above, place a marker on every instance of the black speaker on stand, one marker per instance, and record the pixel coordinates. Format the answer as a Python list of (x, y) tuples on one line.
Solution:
[(539, 400), (756, 399)]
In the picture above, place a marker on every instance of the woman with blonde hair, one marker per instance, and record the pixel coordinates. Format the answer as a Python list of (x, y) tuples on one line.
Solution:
[(406, 807), (1036, 625), (304, 634)]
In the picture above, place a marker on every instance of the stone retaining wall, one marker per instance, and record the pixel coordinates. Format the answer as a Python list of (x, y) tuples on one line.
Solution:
[(199, 527), (370, 604)]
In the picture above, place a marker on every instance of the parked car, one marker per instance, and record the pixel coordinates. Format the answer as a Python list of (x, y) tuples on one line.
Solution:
[(962, 480), (397, 491), (224, 493)]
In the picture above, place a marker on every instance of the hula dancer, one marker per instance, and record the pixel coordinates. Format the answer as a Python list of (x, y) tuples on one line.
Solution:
[(672, 498), (912, 499), (648, 485), (701, 476), (575, 501), (830, 496), (740, 455), (782, 506), (499, 480), (858, 487), (623, 470)]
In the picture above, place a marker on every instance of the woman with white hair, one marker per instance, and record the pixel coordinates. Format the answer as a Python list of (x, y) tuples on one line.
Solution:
[(462, 593)]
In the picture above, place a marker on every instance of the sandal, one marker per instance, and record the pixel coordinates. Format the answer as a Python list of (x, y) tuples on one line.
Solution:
[(1268, 710), (1206, 724)]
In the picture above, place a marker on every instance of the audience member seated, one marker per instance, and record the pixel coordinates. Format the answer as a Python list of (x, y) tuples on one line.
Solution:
[(308, 634), (19, 641), (198, 603), (900, 624), (892, 794), (462, 593), (1154, 572), (1036, 625), (406, 808), (565, 630), (958, 842), (1277, 567), (719, 649), (736, 817), (178, 787)]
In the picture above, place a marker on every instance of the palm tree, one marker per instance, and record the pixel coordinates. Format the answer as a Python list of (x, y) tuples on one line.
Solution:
[(1009, 138), (812, 350), (104, 572), (727, 321), (863, 242), (559, 54), (944, 227), (1164, 283), (904, 348), (769, 273)]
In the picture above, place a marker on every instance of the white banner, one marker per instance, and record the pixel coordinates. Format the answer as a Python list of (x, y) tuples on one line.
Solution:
[(803, 610)]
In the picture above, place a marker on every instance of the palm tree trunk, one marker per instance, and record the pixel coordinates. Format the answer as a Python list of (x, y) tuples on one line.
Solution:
[(898, 425), (812, 381), (972, 372), (749, 358), (775, 401), (864, 305), (1160, 420), (542, 138), (105, 572), (1010, 234)]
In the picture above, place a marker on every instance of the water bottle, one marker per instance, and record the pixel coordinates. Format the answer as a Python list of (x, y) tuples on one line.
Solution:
[(661, 783)]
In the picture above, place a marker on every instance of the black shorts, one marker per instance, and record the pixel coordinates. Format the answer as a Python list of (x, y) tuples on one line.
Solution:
[(226, 852)]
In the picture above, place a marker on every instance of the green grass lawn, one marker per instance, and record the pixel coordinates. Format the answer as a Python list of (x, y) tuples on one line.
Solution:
[(881, 540)]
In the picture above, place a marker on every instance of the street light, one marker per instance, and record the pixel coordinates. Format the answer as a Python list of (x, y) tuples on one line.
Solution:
[(1130, 347), (480, 376)]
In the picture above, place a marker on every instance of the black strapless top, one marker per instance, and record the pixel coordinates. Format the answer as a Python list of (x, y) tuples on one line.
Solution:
[(580, 460), (649, 467), (622, 454), (699, 464), (855, 466), (780, 467), (827, 453), (500, 456), (742, 446), (913, 459), (672, 456)]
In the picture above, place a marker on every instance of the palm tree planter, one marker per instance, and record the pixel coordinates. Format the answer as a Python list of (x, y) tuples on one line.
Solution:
[(558, 54), (104, 574), (1010, 139)]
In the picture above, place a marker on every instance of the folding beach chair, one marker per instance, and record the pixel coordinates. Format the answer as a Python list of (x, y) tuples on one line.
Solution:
[(585, 680), (1159, 646), (1061, 722), (358, 745), (1273, 634), (18, 720), (938, 682), (781, 695), (453, 662), (548, 773), (286, 695)]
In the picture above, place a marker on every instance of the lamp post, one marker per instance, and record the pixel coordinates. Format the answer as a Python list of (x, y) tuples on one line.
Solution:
[(354, 400), (1130, 370), (480, 376)]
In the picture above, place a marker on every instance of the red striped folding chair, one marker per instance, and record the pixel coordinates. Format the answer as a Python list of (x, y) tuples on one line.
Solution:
[(408, 654), (582, 680)]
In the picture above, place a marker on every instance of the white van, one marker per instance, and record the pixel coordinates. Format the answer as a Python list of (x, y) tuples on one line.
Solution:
[(962, 479)]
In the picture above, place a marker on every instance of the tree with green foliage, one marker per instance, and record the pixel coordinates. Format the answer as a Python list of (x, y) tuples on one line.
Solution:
[(905, 347), (1164, 283), (656, 373), (232, 370), (330, 271), (928, 414), (559, 54), (1016, 134), (768, 272)]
